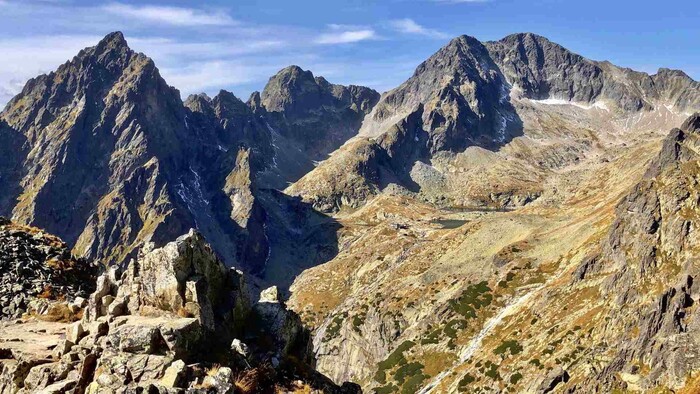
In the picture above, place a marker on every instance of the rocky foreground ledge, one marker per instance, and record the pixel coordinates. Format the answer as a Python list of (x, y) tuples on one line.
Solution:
[(174, 320), (36, 268)]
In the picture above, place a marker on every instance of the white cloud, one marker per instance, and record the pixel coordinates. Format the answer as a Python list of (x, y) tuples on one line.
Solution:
[(178, 16), (162, 48), (25, 58), (409, 26), (213, 75), (460, 1), (340, 36)]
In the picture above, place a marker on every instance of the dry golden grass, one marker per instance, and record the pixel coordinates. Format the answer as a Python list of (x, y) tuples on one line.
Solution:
[(213, 370), (302, 388), (183, 312), (59, 312), (692, 386), (248, 381)]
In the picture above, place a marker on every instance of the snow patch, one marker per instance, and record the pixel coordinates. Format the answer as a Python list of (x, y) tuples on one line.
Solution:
[(552, 101), (198, 186), (269, 245), (276, 148), (501, 134)]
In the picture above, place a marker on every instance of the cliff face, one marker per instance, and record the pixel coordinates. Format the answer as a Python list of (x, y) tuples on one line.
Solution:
[(104, 153), (649, 264), (319, 115)]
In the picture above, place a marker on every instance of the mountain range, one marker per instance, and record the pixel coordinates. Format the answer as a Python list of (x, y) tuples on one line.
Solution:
[(514, 217)]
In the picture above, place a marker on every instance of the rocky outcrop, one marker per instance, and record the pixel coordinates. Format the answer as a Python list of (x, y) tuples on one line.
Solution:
[(35, 264), (648, 260), (319, 115), (175, 319), (464, 96)]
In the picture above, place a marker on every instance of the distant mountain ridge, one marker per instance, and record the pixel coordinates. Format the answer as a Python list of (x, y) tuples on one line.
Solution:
[(463, 96)]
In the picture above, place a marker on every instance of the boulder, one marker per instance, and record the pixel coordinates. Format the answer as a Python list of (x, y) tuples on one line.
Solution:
[(137, 339), (270, 294), (75, 332), (220, 380), (552, 379), (174, 374), (239, 348)]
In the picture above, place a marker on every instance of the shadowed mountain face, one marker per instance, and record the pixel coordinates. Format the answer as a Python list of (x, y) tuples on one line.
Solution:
[(104, 153), (464, 97), (102, 134)]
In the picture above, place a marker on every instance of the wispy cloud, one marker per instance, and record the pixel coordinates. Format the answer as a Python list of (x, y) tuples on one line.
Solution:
[(344, 34), (409, 26), (178, 16), (25, 58), (213, 75), (460, 1), (226, 52), (162, 47)]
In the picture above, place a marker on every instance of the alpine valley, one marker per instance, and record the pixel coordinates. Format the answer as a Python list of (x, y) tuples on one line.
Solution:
[(512, 218)]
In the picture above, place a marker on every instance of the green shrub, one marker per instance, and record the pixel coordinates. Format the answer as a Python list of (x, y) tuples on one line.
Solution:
[(358, 321), (464, 383), (452, 326), (492, 371), (515, 378), (388, 389), (432, 337), (333, 329), (413, 384), (408, 370), (473, 298), (395, 358), (513, 346)]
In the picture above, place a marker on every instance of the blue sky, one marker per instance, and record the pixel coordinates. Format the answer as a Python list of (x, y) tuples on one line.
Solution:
[(237, 45)]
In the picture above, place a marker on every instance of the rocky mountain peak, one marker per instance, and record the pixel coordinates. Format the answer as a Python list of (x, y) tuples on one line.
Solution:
[(692, 124), (464, 95), (198, 102), (112, 52), (316, 114), (228, 105), (672, 73), (292, 90), (112, 42)]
